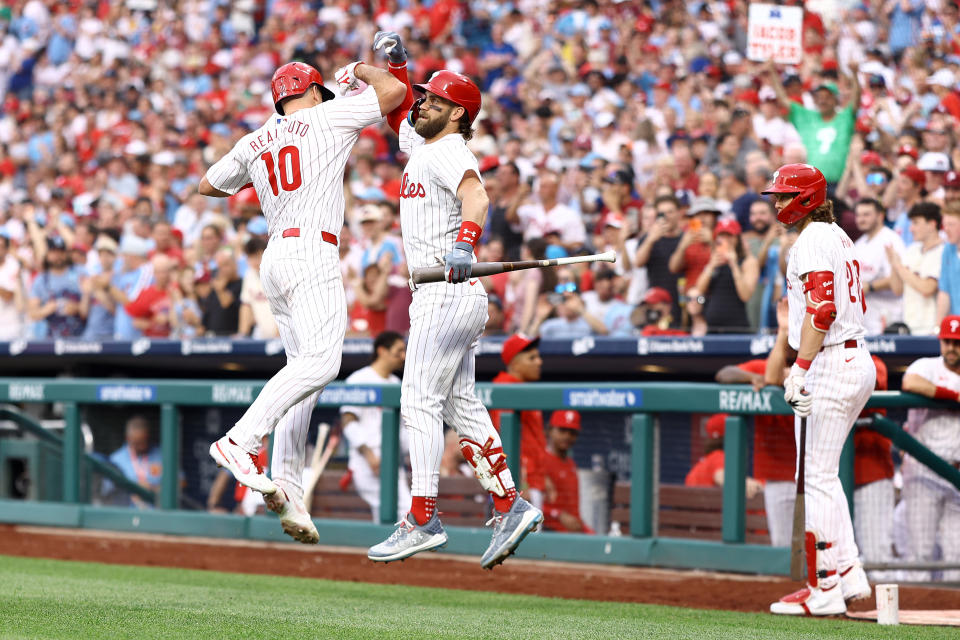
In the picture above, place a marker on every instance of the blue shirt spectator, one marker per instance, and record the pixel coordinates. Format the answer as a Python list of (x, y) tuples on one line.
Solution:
[(136, 459), (904, 25), (950, 277), (55, 295)]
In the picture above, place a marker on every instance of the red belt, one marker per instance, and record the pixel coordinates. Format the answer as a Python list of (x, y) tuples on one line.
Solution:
[(849, 344), (294, 232)]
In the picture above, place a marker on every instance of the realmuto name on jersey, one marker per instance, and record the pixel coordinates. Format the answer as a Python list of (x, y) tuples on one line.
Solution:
[(411, 189), (292, 126)]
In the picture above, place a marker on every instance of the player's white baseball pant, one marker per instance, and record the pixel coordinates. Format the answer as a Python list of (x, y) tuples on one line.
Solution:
[(933, 518), (873, 522), (439, 377), (841, 380), (778, 499), (367, 485), (301, 277)]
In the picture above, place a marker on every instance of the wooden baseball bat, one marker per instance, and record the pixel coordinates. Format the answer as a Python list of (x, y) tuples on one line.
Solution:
[(439, 274), (797, 542), (322, 430)]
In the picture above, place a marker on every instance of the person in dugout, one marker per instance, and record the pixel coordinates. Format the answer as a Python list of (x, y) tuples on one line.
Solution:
[(561, 506)]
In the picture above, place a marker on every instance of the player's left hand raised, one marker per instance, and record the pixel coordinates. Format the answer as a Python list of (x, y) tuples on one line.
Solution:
[(459, 262)]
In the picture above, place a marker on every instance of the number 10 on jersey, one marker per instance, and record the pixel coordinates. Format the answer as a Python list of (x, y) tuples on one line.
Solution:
[(287, 166)]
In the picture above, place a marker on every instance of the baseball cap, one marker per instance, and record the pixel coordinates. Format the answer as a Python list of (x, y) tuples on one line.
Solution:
[(258, 226), (703, 203), (580, 89), (728, 225), (372, 193), (908, 150), (79, 246), (618, 177), (951, 180), (614, 220), (105, 243), (934, 161), (950, 328), (716, 425), (555, 251), (657, 295), (515, 344), (565, 419), (132, 245), (604, 119), (371, 213), (495, 299), (871, 159), (829, 86), (488, 163), (942, 78), (915, 173), (56, 243)]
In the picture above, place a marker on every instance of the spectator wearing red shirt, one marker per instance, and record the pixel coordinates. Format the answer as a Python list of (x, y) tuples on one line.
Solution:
[(561, 509), (521, 356), (166, 243), (151, 309), (708, 471)]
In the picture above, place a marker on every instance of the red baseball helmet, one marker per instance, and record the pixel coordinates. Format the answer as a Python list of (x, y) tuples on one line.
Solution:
[(456, 88), (806, 183), (292, 80)]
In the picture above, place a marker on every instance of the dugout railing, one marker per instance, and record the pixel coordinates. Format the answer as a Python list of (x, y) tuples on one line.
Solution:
[(643, 400)]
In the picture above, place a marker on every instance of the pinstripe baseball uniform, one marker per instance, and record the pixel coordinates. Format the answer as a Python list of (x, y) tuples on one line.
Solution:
[(932, 504), (840, 378), (445, 319), (296, 164)]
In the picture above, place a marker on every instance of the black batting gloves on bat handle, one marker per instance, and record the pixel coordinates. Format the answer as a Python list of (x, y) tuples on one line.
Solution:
[(459, 262)]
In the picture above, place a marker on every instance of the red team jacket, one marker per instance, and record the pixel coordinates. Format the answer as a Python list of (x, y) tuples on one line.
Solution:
[(701, 475), (533, 441), (774, 445), (563, 474)]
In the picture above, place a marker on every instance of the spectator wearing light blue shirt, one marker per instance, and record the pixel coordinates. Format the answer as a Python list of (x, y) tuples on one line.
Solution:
[(97, 301), (572, 320), (905, 24), (948, 297), (137, 460), (127, 284)]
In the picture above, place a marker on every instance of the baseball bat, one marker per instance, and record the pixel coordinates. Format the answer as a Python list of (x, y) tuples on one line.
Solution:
[(439, 274), (799, 510), (322, 430)]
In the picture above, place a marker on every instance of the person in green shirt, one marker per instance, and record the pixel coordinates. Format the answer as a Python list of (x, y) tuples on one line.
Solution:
[(826, 131)]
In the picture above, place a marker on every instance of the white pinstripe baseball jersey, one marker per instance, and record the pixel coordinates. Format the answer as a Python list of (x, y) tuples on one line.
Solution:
[(296, 162), (938, 429), (825, 247), (429, 208)]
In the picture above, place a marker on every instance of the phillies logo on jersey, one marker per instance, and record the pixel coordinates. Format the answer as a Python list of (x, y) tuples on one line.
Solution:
[(411, 189)]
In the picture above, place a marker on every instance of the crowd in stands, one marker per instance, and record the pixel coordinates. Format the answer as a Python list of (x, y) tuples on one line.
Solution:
[(633, 126)]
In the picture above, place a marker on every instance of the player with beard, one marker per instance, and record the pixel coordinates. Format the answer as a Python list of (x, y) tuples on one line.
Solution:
[(443, 206)]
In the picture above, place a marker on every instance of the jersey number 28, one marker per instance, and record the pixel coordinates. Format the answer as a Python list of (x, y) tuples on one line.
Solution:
[(288, 165), (853, 282)]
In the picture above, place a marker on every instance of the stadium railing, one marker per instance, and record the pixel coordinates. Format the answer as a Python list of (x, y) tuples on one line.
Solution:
[(643, 400)]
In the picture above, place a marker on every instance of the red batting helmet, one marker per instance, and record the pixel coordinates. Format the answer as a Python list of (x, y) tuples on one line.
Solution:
[(456, 88), (807, 185), (292, 80)]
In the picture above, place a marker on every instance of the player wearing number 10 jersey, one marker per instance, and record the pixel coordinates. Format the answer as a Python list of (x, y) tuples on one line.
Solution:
[(828, 385), (295, 162)]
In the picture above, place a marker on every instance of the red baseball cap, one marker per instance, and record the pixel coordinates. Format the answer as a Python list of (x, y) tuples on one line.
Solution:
[(950, 328), (871, 159), (716, 425), (748, 95), (951, 180), (514, 345), (657, 295), (666, 86), (728, 225), (488, 163), (565, 419), (916, 174), (908, 150), (829, 65)]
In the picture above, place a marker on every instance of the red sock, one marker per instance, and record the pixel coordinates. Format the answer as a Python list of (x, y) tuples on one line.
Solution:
[(422, 508), (503, 504)]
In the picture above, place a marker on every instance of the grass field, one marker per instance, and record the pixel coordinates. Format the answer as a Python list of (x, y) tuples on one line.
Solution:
[(71, 600)]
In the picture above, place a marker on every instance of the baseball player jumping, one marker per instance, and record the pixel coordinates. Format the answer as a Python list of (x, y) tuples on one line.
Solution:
[(828, 384), (295, 162), (443, 205)]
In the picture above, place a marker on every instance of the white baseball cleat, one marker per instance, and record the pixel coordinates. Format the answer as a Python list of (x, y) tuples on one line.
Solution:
[(854, 583), (812, 601), (294, 519), (242, 464)]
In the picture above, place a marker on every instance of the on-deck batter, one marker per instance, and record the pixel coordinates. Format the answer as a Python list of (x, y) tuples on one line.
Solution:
[(295, 162), (828, 384), (443, 206)]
